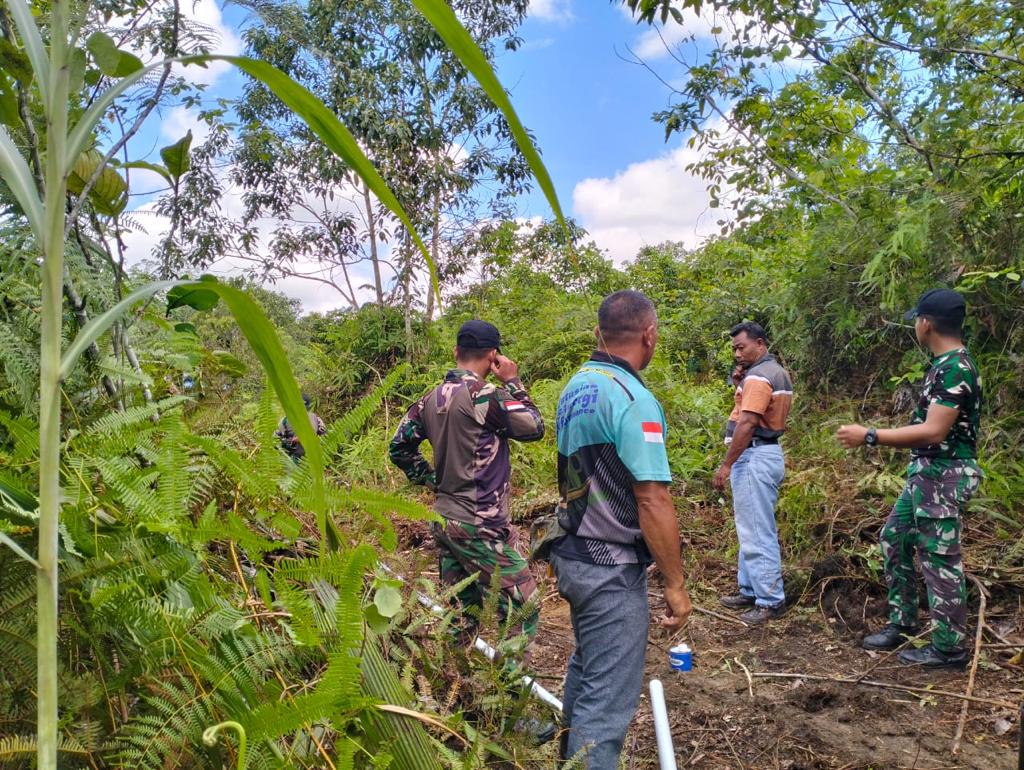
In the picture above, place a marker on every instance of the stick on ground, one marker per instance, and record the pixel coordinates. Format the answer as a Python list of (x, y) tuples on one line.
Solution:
[(974, 664)]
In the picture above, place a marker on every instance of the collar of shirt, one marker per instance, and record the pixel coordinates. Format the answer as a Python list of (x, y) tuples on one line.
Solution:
[(461, 374), (602, 357), (761, 360), (943, 356)]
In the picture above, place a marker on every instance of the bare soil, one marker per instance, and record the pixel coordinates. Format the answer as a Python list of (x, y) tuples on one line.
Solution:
[(721, 718)]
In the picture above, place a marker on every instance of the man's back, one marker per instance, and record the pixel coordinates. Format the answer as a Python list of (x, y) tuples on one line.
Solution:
[(611, 432), (468, 422)]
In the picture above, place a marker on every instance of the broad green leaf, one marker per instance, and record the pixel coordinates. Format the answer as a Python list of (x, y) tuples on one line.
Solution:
[(14, 63), (77, 68), (194, 295), (146, 165), (388, 601), (21, 12), (185, 328), (377, 622), (447, 25), (176, 156), (8, 104), (111, 61), (15, 172), (263, 340), (109, 195)]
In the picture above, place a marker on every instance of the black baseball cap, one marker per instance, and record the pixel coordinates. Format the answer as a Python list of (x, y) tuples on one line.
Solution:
[(478, 335), (939, 303)]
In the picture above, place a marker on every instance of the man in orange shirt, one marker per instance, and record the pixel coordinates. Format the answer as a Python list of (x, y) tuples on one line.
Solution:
[(754, 466)]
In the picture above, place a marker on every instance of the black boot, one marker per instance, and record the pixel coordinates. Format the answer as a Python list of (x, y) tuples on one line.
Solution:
[(932, 657), (736, 601), (889, 638)]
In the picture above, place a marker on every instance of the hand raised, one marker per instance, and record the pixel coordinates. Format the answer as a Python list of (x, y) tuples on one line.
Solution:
[(504, 368)]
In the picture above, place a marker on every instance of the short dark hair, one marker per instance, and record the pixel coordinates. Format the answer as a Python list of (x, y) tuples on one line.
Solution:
[(471, 354), (625, 313), (946, 326), (752, 329)]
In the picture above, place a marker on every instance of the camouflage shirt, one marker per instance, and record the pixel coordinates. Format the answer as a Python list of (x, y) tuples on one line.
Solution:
[(468, 422), (952, 381), (290, 442)]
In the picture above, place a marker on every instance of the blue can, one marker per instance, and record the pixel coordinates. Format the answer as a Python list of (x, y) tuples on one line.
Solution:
[(680, 657)]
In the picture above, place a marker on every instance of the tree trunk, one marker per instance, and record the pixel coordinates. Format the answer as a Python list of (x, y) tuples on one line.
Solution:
[(374, 258), (407, 291), (435, 246)]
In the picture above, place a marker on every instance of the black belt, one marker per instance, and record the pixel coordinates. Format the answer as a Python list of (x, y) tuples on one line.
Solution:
[(759, 441)]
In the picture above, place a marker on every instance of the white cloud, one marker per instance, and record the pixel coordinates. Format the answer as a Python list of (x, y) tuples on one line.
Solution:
[(659, 41), (225, 41), (179, 121), (315, 296), (551, 10), (645, 204)]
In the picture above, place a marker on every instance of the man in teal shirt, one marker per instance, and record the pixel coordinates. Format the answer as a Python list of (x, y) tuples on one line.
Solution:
[(615, 507)]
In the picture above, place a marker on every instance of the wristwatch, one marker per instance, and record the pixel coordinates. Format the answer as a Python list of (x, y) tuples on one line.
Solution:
[(871, 438)]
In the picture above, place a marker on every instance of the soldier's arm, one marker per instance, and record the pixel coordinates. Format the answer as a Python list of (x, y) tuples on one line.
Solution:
[(955, 385), (934, 429), (404, 449), (520, 418)]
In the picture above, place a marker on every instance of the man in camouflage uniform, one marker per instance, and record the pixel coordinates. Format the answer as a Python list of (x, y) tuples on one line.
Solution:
[(942, 476), (468, 422), (289, 441)]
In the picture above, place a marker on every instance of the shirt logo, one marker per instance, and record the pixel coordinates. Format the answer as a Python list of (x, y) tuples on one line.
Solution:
[(652, 432), (515, 406)]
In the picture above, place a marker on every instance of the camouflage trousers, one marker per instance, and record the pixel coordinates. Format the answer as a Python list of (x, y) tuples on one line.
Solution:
[(465, 550), (926, 520)]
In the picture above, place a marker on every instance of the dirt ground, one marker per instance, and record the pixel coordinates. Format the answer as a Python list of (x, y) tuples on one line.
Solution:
[(726, 713), (723, 715)]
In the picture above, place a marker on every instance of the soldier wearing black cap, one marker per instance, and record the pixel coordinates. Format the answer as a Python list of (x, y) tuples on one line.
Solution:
[(468, 422), (942, 476)]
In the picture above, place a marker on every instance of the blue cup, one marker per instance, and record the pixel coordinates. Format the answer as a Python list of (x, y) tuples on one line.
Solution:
[(680, 658)]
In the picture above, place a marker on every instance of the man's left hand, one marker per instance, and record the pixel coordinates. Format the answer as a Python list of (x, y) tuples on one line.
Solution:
[(721, 477), (851, 436), (678, 610)]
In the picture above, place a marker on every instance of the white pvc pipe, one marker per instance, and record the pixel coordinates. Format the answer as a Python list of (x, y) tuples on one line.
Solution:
[(486, 650), (666, 752)]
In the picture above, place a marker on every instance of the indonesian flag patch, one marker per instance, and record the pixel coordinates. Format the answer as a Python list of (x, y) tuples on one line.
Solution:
[(515, 406), (653, 432)]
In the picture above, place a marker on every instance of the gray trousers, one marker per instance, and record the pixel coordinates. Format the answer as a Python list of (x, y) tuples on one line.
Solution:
[(602, 686)]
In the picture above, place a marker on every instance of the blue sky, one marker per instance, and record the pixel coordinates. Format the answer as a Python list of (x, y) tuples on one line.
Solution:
[(589, 109)]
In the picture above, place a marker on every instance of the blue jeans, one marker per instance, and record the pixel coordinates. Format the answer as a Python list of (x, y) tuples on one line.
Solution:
[(755, 480), (602, 685)]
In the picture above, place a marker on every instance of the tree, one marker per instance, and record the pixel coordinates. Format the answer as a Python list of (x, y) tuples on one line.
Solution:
[(438, 140), (884, 132)]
